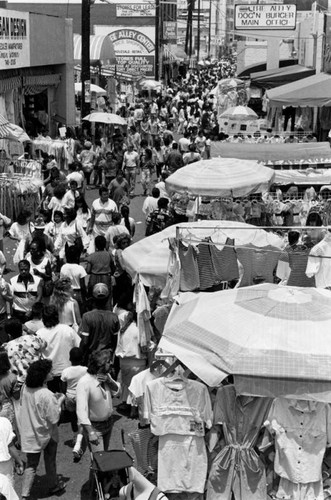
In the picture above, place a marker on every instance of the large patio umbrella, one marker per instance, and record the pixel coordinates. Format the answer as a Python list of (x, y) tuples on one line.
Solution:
[(94, 89), (239, 113), (108, 118), (221, 177), (150, 85), (262, 331), (11, 131)]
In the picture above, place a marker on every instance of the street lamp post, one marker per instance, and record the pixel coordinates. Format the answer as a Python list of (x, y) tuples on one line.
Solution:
[(85, 56)]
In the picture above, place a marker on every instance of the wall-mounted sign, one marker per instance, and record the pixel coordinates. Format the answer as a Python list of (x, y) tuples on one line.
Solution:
[(170, 31), (135, 10), (265, 16), (134, 51), (14, 39)]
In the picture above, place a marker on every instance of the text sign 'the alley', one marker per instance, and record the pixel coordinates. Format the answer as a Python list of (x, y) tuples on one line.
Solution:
[(265, 16)]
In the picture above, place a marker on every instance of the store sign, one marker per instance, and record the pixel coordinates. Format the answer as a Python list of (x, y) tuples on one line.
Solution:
[(143, 65), (135, 10), (14, 39), (170, 31), (265, 17), (134, 51)]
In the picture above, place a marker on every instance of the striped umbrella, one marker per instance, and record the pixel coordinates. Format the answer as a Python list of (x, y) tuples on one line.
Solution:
[(11, 131), (4, 127)]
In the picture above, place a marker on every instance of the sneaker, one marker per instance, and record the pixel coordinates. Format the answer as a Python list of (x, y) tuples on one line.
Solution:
[(77, 454)]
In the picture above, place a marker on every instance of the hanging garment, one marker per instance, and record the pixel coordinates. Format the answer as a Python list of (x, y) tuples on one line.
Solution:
[(144, 445), (143, 310), (137, 390), (298, 258), (237, 469), (173, 275), (317, 265), (258, 263), (301, 430), (225, 261), (189, 270), (205, 265), (179, 410)]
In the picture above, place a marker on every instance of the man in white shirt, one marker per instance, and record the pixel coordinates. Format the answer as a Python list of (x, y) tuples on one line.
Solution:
[(184, 143), (150, 203), (26, 290), (101, 213), (94, 400), (130, 167)]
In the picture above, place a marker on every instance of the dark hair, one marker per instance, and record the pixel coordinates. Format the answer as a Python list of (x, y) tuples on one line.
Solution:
[(14, 328), (41, 244), (76, 356), (37, 373), (155, 192), (174, 145), (81, 200), (314, 217), (37, 310), (50, 316), (71, 213), (96, 360), (162, 203), (143, 143), (73, 254), (59, 213), (23, 216), (100, 242), (125, 212), (4, 363), (103, 189), (116, 218), (293, 237), (59, 191)]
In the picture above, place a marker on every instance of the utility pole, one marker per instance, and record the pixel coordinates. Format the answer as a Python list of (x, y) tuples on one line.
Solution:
[(157, 39), (198, 30), (209, 29), (85, 61)]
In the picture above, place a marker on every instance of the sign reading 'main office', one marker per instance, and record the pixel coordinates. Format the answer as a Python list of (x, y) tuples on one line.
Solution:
[(14, 39), (265, 16)]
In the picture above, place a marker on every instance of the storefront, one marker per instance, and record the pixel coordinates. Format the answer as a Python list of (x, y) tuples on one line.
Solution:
[(36, 77)]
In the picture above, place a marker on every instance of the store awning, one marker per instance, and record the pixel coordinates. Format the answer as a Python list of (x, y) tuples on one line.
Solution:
[(307, 177), (280, 76), (101, 49), (42, 80), (174, 53), (278, 154), (314, 91), (254, 68)]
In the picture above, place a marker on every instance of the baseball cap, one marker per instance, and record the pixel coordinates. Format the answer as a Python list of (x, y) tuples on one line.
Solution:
[(100, 291)]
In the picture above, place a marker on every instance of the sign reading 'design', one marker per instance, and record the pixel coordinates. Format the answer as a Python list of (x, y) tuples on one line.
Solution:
[(14, 39), (265, 16)]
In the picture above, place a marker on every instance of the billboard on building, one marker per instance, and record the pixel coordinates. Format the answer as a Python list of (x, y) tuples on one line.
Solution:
[(265, 16), (135, 10), (134, 48), (14, 39)]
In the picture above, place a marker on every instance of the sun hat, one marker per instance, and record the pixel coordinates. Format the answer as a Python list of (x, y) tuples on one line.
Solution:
[(39, 223)]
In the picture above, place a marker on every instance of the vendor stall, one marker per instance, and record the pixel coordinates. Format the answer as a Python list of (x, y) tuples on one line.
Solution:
[(280, 156)]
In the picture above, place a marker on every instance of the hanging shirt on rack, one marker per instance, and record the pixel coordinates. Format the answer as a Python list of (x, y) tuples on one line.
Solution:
[(225, 261), (237, 469), (205, 265), (317, 265), (301, 430), (178, 411), (298, 258), (258, 263), (189, 270)]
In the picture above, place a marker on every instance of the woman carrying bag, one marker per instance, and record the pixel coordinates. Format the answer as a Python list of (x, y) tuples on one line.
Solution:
[(71, 233)]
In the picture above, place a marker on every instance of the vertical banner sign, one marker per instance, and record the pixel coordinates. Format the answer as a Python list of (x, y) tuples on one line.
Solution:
[(14, 39)]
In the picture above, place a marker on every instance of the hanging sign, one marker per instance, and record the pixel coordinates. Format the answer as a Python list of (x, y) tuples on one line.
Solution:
[(265, 16), (135, 10), (14, 39)]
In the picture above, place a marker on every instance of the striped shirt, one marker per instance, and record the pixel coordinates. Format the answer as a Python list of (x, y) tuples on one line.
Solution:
[(102, 213)]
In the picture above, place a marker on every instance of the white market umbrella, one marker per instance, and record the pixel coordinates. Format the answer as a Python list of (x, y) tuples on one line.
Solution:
[(231, 82), (239, 113), (149, 257), (108, 118), (261, 331), (150, 85), (11, 131), (94, 89), (221, 177)]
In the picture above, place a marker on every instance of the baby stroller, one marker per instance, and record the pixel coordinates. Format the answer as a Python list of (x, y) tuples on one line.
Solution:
[(110, 472)]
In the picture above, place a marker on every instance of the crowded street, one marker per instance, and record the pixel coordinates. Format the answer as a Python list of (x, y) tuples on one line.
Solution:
[(165, 246)]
